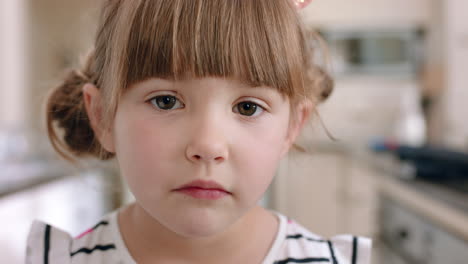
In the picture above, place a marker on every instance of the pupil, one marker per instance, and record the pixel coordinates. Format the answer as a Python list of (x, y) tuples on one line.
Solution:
[(248, 109), (166, 102)]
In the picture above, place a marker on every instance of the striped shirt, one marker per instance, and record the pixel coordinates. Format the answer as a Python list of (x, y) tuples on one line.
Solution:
[(103, 243)]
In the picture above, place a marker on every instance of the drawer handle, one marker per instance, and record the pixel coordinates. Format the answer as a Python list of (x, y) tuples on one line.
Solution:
[(403, 234)]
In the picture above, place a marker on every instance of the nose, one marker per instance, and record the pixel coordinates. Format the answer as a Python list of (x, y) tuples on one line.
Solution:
[(208, 142)]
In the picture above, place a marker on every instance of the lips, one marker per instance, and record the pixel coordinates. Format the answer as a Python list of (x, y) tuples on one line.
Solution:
[(206, 190)]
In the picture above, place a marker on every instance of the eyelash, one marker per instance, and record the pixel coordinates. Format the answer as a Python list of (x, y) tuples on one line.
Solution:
[(154, 103)]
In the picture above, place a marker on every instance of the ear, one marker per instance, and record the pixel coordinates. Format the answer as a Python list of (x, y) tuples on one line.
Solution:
[(297, 122), (93, 105)]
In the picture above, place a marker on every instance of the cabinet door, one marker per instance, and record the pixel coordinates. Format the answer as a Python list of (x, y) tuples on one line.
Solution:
[(360, 198), (446, 248), (456, 28), (387, 256), (307, 189), (367, 13), (329, 193)]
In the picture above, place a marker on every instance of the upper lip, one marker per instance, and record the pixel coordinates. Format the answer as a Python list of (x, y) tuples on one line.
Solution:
[(209, 185)]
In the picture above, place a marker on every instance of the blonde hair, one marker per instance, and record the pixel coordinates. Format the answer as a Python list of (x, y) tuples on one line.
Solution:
[(258, 42)]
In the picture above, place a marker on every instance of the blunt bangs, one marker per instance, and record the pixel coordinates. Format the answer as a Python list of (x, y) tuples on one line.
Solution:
[(258, 42)]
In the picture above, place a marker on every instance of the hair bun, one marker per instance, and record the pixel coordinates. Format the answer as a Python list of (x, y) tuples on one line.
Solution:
[(65, 107), (322, 83), (326, 85)]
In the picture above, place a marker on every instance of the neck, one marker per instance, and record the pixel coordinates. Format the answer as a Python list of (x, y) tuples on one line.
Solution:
[(148, 241)]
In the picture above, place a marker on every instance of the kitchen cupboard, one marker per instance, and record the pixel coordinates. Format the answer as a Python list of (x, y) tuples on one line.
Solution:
[(421, 222), (306, 189), (456, 68), (326, 191), (368, 13)]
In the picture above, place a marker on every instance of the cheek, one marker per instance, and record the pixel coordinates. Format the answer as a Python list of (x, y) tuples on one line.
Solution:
[(258, 169), (259, 157), (139, 147), (264, 151)]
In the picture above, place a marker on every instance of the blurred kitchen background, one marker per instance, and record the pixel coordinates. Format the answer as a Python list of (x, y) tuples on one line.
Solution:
[(397, 171)]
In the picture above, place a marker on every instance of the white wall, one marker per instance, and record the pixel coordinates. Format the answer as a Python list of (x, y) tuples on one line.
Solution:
[(13, 74)]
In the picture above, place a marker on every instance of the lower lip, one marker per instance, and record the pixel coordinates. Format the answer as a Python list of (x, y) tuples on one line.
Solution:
[(205, 194)]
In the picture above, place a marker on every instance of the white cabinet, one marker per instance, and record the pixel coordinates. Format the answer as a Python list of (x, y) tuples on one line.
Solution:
[(307, 190), (368, 13), (456, 53), (359, 201), (327, 192)]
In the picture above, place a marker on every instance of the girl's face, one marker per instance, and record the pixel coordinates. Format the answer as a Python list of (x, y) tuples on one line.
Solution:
[(168, 134)]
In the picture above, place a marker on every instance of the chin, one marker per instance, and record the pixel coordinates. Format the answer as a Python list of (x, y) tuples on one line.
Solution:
[(200, 223), (200, 227), (189, 220)]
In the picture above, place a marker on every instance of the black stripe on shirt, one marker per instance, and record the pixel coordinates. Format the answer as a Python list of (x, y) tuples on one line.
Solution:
[(100, 223), (299, 236), (304, 260), (332, 252), (355, 243), (89, 251), (46, 244)]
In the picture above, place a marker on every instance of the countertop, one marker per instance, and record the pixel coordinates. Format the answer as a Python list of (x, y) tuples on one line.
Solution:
[(446, 208), (443, 206), (20, 176)]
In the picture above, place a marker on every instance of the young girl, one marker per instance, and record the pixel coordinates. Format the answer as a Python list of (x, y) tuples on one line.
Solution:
[(198, 101)]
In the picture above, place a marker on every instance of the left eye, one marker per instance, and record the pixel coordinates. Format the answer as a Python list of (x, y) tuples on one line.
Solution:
[(248, 109), (166, 102)]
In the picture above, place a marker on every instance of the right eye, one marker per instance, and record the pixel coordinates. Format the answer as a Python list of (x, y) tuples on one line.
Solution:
[(166, 102)]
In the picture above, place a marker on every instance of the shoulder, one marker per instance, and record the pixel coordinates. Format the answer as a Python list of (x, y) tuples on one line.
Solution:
[(48, 244), (45, 243), (301, 245)]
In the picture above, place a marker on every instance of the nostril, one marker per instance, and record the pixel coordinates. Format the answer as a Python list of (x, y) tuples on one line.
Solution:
[(198, 157)]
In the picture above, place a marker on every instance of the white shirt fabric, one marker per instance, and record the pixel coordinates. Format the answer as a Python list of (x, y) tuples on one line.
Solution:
[(103, 243)]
